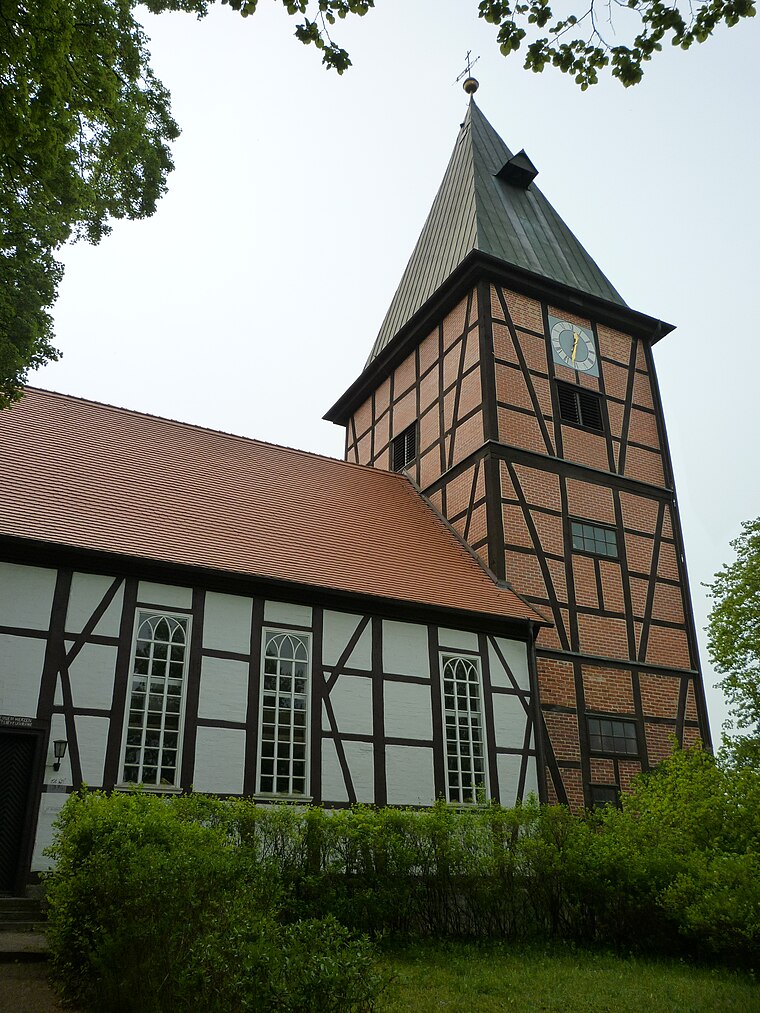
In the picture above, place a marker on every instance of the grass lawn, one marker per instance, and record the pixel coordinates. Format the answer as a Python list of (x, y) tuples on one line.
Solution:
[(462, 978)]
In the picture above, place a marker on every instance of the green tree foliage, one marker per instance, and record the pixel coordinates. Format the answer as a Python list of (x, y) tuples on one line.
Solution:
[(734, 641), (85, 128), (622, 36)]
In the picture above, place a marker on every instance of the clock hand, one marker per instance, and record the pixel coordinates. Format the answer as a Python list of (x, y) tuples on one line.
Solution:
[(575, 344)]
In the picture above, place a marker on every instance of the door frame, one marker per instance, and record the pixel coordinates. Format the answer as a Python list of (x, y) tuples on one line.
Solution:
[(40, 731)]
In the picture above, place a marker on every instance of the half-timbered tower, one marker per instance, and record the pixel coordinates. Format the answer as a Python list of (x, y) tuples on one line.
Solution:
[(517, 389)]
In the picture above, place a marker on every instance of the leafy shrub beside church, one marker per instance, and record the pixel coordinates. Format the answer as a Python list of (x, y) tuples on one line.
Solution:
[(176, 903)]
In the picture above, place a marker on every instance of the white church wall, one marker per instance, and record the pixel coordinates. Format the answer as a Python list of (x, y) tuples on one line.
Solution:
[(219, 760), (26, 596), (405, 649), (351, 699), (283, 612), (87, 592), (224, 689), (227, 622), (378, 726), (167, 595), (409, 775), (20, 674), (91, 673), (92, 737), (408, 710), (337, 630)]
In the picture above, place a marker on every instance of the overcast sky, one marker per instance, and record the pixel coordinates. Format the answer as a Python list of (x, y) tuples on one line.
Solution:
[(250, 301)]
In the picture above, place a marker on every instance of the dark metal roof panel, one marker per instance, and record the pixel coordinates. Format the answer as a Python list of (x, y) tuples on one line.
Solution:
[(474, 210)]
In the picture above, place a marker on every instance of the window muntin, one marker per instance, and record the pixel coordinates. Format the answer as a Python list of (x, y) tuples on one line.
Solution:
[(580, 407), (609, 736), (283, 743), (465, 738), (404, 448), (593, 538), (154, 716)]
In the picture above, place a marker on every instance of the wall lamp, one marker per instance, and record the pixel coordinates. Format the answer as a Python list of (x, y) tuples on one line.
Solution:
[(59, 748)]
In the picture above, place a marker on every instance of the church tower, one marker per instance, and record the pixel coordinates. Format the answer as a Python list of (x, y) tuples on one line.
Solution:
[(516, 388)]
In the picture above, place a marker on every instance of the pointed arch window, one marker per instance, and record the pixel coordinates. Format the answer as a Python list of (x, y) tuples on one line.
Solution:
[(284, 738), (156, 702), (465, 736)]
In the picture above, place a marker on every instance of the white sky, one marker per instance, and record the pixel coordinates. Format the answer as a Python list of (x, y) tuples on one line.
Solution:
[(250, 301)]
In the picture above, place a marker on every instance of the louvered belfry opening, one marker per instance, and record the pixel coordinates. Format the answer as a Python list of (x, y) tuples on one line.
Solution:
[(404, 448), (581, 407)]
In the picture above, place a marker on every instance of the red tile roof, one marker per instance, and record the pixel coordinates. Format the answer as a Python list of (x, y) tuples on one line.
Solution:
[(91, 476)]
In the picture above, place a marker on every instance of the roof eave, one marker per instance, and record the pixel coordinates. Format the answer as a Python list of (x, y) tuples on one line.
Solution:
[(14, 548), (477, 265)]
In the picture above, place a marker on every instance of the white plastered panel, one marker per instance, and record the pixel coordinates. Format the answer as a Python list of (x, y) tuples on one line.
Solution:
[(26, 596), (351, 699), (227, 623), (87, 592), (166, 595), (516, 656), (50, 806), (333, 782), (284, 612), (92, 674), (359, 756), (508, 767), (224, 689), (409, 775), (338, 629), (92, 737), (509, 720), (20, 674), (408, 710), (405, 649), (457, 640), (219, 760)]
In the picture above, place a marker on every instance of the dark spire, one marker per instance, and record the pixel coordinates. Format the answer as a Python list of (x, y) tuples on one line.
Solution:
[(489, 202)]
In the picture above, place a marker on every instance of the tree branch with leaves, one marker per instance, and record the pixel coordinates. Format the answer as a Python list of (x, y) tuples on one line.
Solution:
[(734, 642)]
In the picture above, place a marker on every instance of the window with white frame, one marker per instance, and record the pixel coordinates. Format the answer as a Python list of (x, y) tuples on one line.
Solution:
[(465, 740), (151, 751), (284, 714)]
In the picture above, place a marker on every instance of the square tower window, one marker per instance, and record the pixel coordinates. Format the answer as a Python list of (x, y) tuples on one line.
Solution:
[(608, 736), (593, 538), (580, 407), (605, 794), (404, 448), (154, 732)]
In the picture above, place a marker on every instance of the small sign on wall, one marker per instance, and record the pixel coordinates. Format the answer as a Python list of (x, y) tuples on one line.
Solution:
[(13, 721)]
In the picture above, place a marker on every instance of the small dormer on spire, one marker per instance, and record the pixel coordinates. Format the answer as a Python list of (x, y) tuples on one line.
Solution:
[(518, 170)]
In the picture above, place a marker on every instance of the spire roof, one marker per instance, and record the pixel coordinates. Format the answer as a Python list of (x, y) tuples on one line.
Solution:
[(500, 212)]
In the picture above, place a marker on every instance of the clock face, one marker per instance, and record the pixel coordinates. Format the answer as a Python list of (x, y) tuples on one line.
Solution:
[(573, 346)]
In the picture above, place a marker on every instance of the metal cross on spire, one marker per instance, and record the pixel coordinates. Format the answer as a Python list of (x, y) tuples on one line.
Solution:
[(470, 84)]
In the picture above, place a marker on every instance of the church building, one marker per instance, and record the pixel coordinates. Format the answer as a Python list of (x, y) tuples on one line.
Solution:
[(488, 598)]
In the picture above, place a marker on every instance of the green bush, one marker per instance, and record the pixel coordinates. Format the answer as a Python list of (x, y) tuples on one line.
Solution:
[(155, 907), (169, 904)]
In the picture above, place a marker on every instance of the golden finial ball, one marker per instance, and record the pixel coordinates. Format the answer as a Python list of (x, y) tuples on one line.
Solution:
[(471, 85)]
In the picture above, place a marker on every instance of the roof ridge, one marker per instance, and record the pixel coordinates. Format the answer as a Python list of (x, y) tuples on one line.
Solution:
[(208, 429)]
